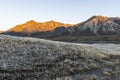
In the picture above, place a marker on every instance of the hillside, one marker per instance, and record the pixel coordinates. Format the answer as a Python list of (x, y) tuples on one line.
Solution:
[(33, 26), (38, 59), (1, 31), (99, 25), (96, 28)]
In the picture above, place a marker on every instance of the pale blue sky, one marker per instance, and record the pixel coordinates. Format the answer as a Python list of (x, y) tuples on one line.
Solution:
[(13, 12)]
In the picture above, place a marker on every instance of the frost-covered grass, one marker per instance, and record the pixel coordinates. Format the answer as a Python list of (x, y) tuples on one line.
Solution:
[(25, 58)]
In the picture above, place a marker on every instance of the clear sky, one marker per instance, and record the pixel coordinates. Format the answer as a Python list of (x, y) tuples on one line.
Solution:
[(13, 12)]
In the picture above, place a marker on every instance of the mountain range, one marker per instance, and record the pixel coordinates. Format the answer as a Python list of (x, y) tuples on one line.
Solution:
[(94, 26)]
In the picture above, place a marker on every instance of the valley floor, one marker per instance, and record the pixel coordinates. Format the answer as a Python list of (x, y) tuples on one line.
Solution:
[(25, 58), (88, 39)]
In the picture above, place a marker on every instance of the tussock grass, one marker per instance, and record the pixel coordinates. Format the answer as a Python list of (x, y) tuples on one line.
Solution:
[(38, 59)]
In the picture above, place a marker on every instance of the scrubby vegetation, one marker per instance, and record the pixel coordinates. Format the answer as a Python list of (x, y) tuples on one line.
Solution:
[(38, 59), (89, 39)]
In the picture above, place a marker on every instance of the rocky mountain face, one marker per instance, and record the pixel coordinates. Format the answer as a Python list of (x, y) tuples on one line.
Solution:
[(95, 26), (33, 27), (1, 31), (99, 25)]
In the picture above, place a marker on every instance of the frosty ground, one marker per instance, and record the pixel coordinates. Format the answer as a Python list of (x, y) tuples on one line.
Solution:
[(25, 58)]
